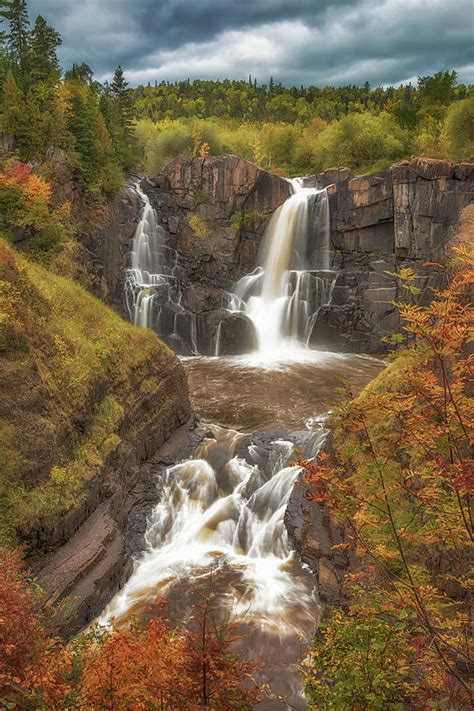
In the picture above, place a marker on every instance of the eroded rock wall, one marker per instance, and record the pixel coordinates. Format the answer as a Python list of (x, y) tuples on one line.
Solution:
[(402, 217)]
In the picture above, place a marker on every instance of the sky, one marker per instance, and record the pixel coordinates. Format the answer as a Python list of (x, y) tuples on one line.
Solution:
[(296, 41)]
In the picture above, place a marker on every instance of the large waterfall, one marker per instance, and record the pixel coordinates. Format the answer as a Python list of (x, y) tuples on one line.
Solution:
[(284, 294)]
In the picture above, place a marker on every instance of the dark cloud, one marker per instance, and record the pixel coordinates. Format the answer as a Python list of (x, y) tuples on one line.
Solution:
[(298, 42)]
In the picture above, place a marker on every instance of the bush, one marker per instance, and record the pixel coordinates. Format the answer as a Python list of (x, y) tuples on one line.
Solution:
[(358, 141), (459, 130)]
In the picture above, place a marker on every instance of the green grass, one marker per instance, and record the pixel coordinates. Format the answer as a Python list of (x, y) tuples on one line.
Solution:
[(66, 361)]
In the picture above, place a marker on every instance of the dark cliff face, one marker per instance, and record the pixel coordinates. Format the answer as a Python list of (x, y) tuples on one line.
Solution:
[(402, 217), (214, 212), (107, 246)]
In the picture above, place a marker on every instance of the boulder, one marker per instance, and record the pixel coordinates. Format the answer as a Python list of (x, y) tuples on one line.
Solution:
[(234, 333)]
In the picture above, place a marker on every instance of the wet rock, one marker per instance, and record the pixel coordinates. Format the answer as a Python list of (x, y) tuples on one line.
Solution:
[(314, 535), (234, 333)]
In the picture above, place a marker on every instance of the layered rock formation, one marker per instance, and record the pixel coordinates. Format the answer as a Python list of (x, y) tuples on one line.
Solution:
[(214, 212), (402, 217), (85, 399), (215, 209)]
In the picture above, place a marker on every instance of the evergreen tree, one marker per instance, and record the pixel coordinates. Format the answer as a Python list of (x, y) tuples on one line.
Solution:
[(44, 59), (80, 72), (117, 109), (14, 114), (18, 37), (5, 7)]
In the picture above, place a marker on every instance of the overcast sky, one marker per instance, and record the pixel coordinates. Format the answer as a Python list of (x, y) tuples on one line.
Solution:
[(295, 41)]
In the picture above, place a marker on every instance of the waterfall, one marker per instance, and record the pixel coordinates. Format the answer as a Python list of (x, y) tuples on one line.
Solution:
[(284, 294), (152, 289), (228, 509)]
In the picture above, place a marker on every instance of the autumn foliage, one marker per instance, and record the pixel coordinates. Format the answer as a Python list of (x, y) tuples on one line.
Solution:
[(135, 668), (399, 479), (27, 211)]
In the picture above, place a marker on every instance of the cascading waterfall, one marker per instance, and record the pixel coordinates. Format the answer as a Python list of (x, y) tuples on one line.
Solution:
[(220, 506), (152, 289), (283, 295), (150, 279)]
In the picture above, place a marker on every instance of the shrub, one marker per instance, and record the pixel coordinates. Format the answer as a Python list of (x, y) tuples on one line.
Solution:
[(360, 140)]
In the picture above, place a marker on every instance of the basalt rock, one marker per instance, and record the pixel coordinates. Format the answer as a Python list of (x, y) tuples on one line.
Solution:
[(214, 211), (107, 244), (234, 333), (402, 217)]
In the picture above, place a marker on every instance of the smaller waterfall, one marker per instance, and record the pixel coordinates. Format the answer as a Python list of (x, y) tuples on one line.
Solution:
[(293, 281), (152, 289), (222, 508)]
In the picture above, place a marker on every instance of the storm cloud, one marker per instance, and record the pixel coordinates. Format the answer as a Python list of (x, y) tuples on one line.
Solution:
[(298, 42)]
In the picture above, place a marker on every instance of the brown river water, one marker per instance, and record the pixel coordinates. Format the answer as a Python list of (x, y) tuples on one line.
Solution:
[(219, 520)]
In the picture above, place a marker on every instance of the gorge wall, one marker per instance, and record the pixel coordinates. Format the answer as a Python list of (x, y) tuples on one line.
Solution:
[(401, 217), (85, 400), (214, 211)]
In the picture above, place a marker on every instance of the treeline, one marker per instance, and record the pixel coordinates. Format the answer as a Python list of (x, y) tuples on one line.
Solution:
[(305, 130), (52, 120), (248, 101)]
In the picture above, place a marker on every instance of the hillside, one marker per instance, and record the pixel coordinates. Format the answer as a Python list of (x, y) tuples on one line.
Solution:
[(84, 397)]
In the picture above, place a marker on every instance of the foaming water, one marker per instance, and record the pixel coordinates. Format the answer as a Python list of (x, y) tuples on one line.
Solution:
[(224, 511), (221, 513), (284, 294), (223, 505)]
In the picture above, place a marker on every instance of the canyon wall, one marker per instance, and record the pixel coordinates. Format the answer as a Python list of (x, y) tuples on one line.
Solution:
[(214, 212), (91, 407), (401, 217)]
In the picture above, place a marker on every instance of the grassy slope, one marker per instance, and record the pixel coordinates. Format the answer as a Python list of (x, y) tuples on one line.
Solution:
[(64, 357)]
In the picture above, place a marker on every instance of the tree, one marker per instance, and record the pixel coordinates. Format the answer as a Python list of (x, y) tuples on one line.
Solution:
[(33, 664), (14, 115), (439, 89), (18, 45), (118, 115), (5, 6), (459, 129), (44, 60), (81, 72), (400, 478)]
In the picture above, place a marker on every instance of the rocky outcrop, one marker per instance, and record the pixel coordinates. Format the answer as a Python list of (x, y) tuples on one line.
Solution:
[(107, 243), (314, 535), (402, 217), (81, 576), (86, 551)]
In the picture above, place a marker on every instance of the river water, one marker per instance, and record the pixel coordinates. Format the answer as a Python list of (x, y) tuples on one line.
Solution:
[(220, 518), (221, 513)]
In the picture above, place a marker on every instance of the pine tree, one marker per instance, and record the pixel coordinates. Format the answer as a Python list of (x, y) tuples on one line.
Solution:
[(14, 114), (5, 7), (18, 37), (44, 59), (119, 85), (118, 115)]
